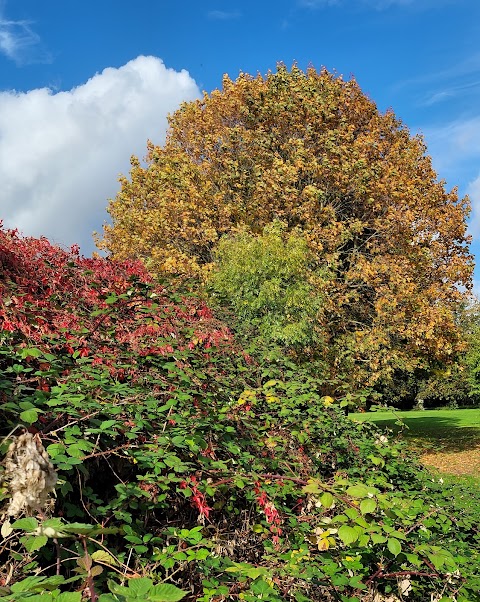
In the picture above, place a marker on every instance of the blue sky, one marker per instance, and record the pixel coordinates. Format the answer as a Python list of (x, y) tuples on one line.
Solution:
[(83, 85)]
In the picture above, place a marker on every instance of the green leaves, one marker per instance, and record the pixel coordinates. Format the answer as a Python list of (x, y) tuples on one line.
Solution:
[(43, 589), (142, 588), (56, 527), (327, 500), (34, 543), (104, 557), (394, 546), (139, 403), (265, 280), (29, 416), (347, 534), (248, 571), (358, 491), (313, 486), (27, 524), (368, 505)]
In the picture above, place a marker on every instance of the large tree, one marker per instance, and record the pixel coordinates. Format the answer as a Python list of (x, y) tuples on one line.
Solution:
[(311, 150)]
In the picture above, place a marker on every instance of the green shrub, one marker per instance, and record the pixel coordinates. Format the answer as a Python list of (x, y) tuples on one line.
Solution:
[(272, 285), (188, 469)]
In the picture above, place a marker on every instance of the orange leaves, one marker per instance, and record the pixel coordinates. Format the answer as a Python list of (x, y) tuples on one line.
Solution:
[(313, 151)]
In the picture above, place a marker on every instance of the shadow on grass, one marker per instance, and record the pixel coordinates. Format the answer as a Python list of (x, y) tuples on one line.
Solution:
[(435, 433)]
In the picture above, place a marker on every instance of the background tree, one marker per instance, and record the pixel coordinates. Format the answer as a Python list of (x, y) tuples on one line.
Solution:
[(311, 150), (470, 324), (433, 388)]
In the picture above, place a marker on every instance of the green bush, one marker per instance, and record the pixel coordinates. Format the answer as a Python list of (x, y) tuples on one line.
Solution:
[(272, 285)]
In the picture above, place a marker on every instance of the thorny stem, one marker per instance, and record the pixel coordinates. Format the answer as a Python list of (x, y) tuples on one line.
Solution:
[(408, 573), (127, 563), (10, 433), (47, 568), (80, 489), (59, 560), (89, 581), (111, 566), (166, 420), (379, 573), (88, 416), (304, 482), (108, 451)]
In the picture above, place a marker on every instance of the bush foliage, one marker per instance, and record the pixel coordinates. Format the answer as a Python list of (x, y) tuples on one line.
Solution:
[(191, 469), (273, 287)]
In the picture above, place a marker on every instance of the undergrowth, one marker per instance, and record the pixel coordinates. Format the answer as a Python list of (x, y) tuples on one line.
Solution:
[(189, 469)]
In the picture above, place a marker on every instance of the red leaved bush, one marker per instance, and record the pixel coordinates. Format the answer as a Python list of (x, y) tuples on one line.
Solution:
[(47, 292)]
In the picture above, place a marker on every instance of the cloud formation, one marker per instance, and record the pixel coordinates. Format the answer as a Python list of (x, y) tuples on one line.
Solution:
[(473, 191), (455, 151), (223, 15), (19, 42), (318, 3), (455, 147), (459, 82), (454, 144), (61, 153), (371, 4)]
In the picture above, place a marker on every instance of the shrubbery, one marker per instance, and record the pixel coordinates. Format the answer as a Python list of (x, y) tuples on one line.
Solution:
[(189, 468), (274, 286)]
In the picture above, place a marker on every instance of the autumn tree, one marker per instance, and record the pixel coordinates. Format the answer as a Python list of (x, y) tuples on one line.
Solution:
[(310, 149)]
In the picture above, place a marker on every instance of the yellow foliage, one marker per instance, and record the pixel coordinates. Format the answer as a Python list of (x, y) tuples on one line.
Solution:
[(310, 149), (327, 400)]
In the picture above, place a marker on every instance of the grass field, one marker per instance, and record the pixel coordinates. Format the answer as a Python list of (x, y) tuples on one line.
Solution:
[(448, 440)]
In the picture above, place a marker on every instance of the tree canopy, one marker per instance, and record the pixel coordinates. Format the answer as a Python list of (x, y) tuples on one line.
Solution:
[(312, 150)]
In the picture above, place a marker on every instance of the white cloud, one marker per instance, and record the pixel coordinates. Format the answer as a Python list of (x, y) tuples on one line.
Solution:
[(455, 145), (457, 83), (19, 42), (319, 3), (61, 154), (223, 15), (473, 192), (384, 4), (456, 89), (375, 4), (455, 151)]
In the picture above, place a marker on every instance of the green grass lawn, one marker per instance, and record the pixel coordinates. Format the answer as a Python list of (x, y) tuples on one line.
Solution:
[(448, 430), (448, 440)]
